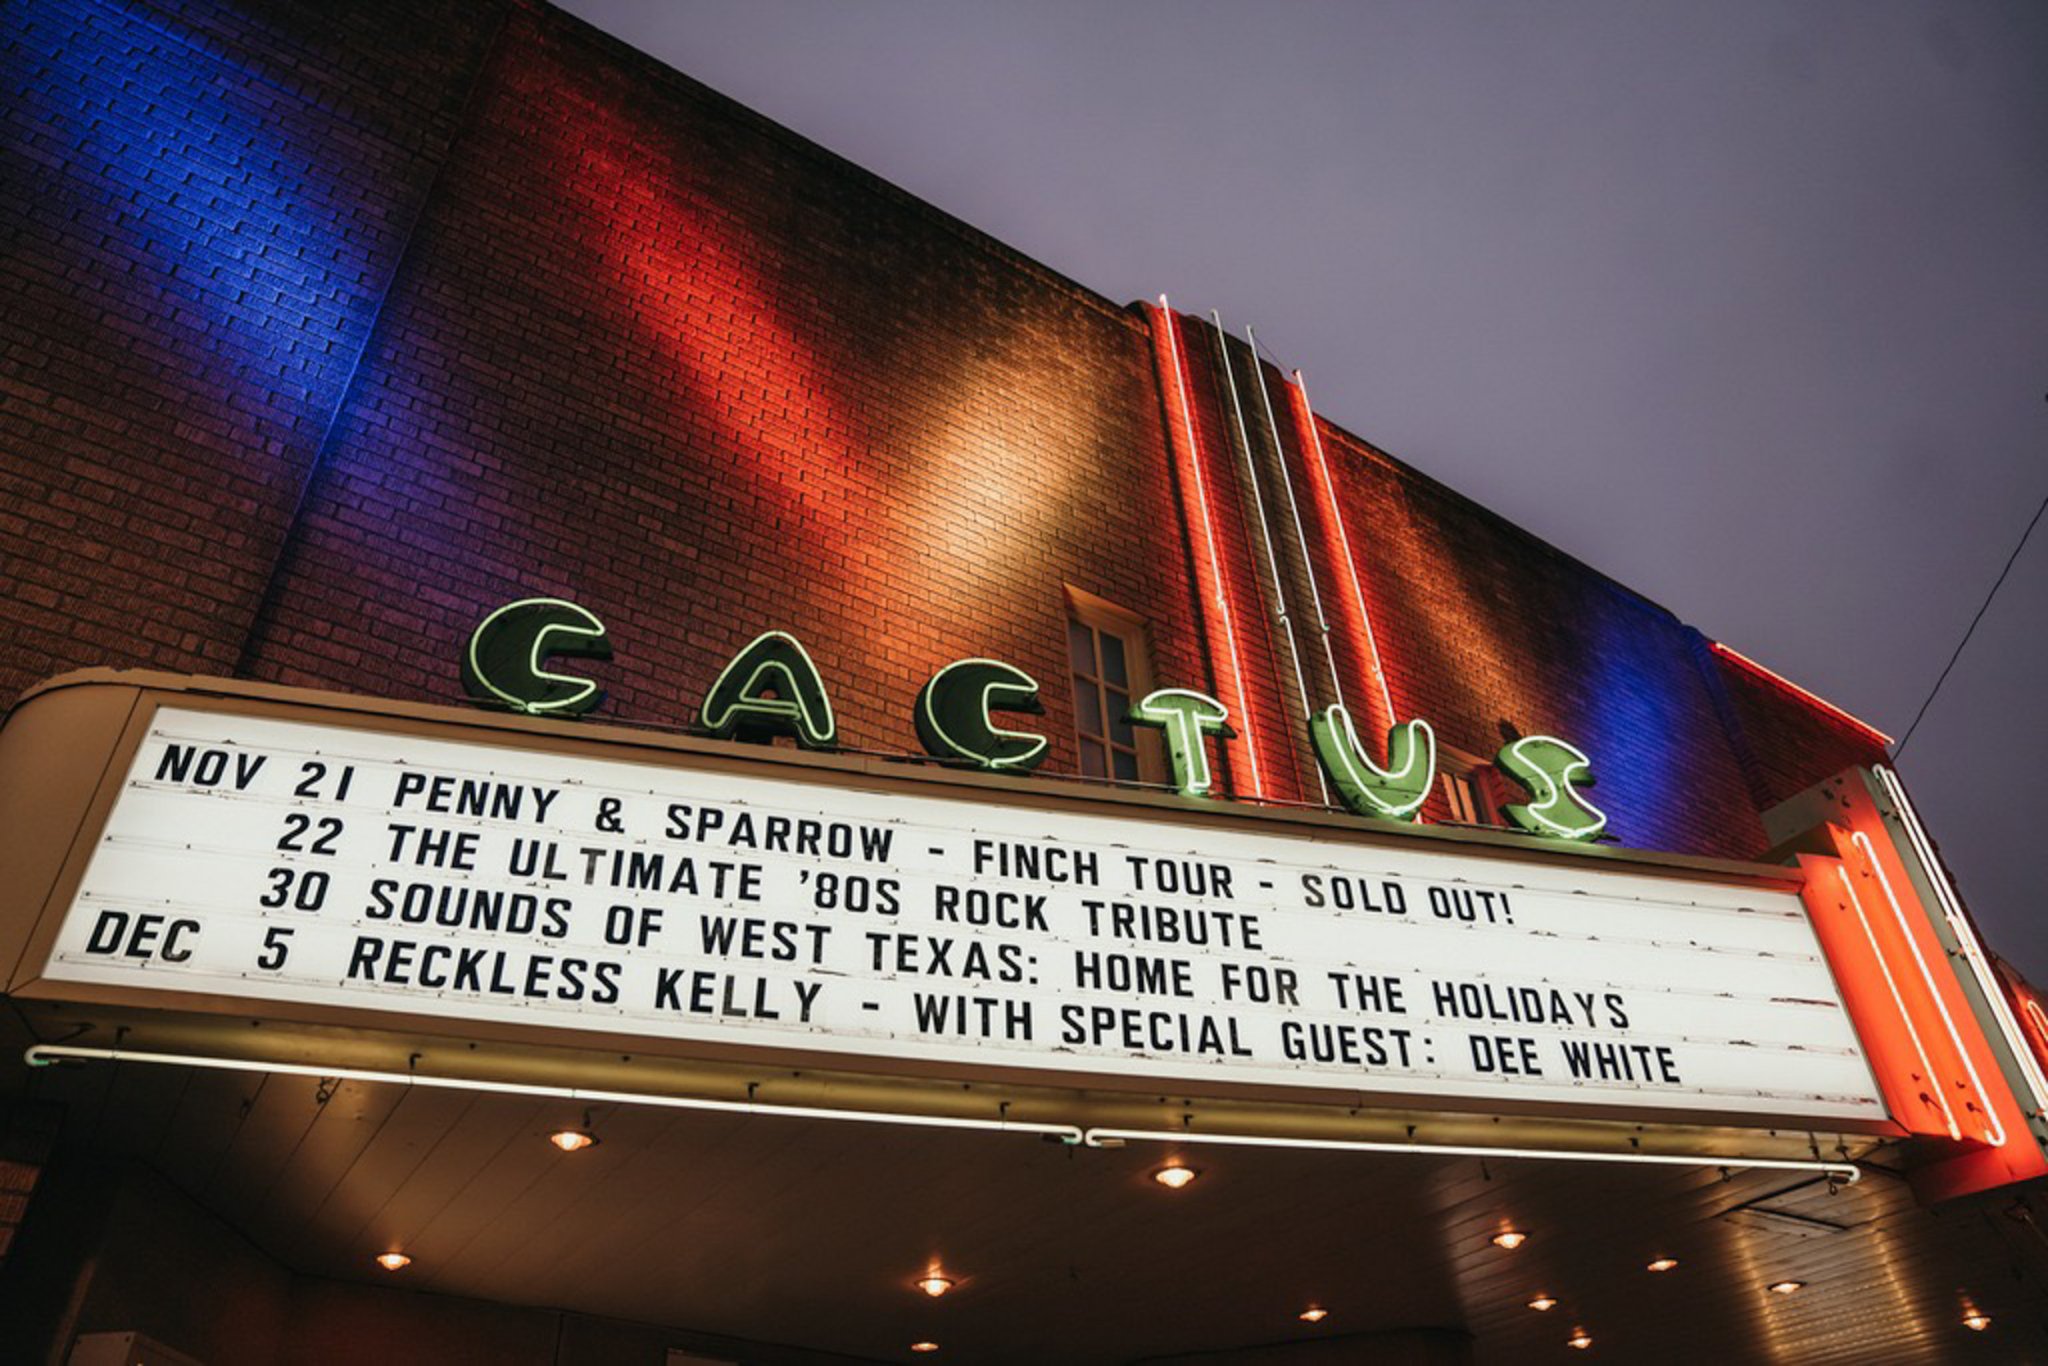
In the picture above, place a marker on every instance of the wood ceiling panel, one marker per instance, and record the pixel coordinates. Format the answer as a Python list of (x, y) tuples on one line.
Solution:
[(345, 1128)]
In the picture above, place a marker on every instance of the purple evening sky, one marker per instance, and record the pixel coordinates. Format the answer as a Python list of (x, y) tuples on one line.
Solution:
[(1745, 304)]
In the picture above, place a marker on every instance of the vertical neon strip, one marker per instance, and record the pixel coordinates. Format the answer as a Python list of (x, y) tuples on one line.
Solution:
[(1372, 649), (1995, 1135), (1973, 950), (1315, 594), (2033, 1008), (1187, 417), (1926, 1067), (1266, 532)]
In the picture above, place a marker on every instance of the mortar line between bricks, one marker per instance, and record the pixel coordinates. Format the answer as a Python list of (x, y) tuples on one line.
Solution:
[(260, 618)]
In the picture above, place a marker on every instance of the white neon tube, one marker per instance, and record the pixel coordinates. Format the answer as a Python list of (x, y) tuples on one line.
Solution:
[(1973, 949), (1995, 1135), (1849, 1173), (1315, 594), (1266, 532), (43, 1054), (1926, 1066)]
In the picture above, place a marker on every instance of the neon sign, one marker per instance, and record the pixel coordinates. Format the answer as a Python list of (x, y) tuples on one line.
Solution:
[(773, 687)]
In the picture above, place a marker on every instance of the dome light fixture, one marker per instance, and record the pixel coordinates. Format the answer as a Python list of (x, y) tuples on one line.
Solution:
[(1315, 1313), (1976, 1320), (1543, 1304), (933, 1284), (1510, 1239), (1175, 1175), (573, 1140), (1786, 1287), (393, 1261), (926, 1346), (1580, 1340), (1662, 1264)]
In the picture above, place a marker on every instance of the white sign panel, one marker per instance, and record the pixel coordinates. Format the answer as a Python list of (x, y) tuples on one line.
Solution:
[(285, 861)]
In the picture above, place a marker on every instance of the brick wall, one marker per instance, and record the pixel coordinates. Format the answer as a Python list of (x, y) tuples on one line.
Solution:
[(345, 324)]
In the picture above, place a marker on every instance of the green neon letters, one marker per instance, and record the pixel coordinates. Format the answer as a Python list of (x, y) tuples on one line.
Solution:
[(501, 667), (953, 715), (1393, 794), (1554, 772), (1186, 716), (740, 703), (772, 687)]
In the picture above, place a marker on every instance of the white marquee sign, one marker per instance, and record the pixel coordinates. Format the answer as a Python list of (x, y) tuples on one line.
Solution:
[(285, 861)]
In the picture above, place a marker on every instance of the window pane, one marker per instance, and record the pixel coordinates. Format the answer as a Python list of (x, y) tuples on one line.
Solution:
[(1113, 660), (1091, 760), (1126, 765), (1080, 647), (1087, 708), (1120, 729)]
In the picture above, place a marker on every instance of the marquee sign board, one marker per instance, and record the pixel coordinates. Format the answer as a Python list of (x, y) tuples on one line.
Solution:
[(271, 860)]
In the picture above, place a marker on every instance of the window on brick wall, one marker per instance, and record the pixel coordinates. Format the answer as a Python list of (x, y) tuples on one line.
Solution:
[(1109, 659), (1471, 790)]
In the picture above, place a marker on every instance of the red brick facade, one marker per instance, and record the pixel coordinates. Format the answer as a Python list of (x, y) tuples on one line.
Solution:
[(330, 330)]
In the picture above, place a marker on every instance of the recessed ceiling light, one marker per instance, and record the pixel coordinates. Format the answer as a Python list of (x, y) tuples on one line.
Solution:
[(1580, 1340), (924, 1346), (1174, 1175), (1662, 1264), (934, 1284), (1543, 1304), (1787, 1287), (393, 1261), (1510, 1239), (573, 1140), (1315, 1313), (1976, 1320)]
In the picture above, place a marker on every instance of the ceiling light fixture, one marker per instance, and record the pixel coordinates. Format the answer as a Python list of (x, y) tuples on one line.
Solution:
[(933, 1284), (1662, 1264), (1543, 1304), (1510, 1239), (924, 1346), (1174, 1175), (1580, 1340), (1976, 1320), (1787, 1287), (1315, 1313), (393, 1261), (573, 1140)]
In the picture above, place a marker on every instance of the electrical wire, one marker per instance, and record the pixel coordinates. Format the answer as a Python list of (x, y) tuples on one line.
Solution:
[(2011, 559)]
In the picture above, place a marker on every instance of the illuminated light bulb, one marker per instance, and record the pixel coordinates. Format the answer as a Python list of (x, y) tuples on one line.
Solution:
[(1662, 1264), (1543, 1304), (1510, 1239), (573, 1140), (934, 1284), (924, 1346), (393, 1261), (1580, 1340), (1976, 1320), (1173, 1175), (1787, 1287), (1315, 1313)]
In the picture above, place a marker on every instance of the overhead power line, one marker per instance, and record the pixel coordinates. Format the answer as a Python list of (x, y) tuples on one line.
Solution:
[(1900, 748)]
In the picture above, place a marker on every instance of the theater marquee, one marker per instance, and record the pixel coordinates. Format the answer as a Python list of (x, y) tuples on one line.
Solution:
[(368, 868)]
